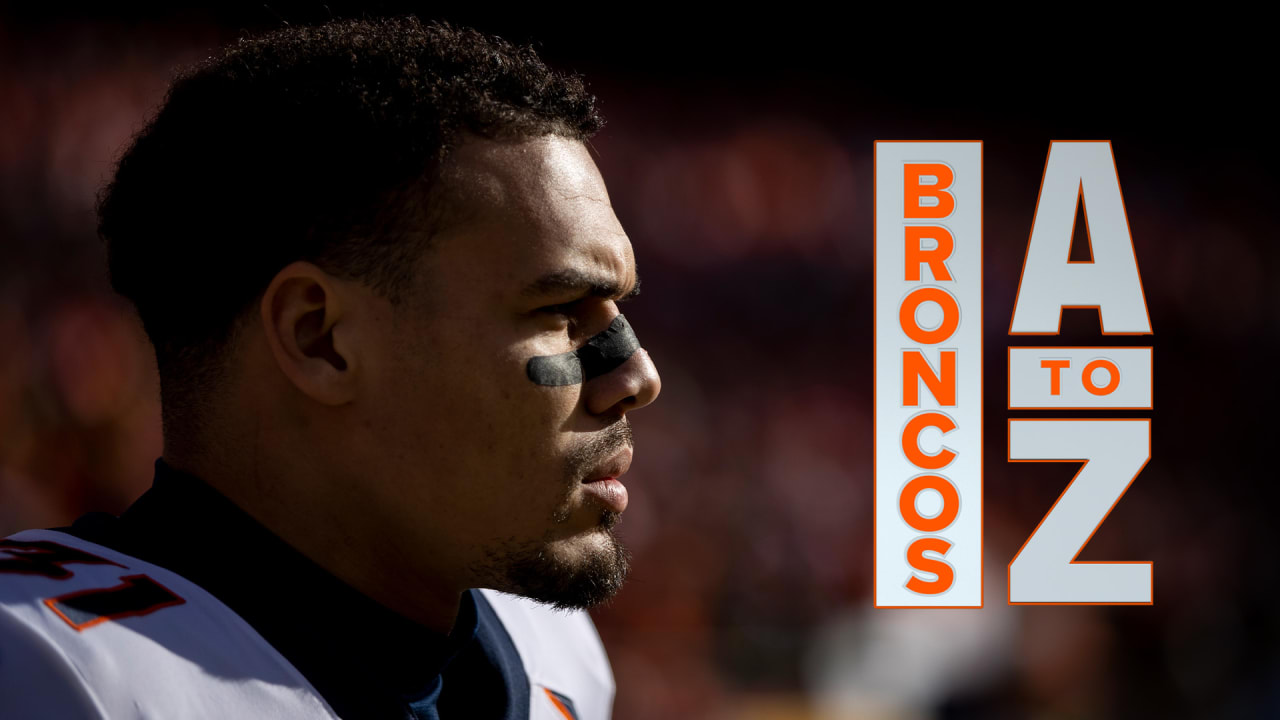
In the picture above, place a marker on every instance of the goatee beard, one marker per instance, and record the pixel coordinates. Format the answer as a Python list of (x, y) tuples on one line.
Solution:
[(565, 584)]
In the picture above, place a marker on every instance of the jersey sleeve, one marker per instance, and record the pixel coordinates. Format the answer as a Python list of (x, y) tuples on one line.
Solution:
[(37, 680)]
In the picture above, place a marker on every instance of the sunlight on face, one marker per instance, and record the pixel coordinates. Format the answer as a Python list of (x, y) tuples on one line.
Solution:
[(489, 466)]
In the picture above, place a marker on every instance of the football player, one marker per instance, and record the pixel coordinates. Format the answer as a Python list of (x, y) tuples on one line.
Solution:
[(382, 275)]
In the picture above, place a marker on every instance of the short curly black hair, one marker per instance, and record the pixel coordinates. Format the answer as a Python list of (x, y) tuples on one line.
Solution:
[(306, 143)]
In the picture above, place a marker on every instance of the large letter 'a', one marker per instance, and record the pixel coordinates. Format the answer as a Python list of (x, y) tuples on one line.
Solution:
[(1084, 172)]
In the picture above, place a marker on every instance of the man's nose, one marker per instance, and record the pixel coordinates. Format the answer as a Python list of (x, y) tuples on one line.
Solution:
[(629, 386)]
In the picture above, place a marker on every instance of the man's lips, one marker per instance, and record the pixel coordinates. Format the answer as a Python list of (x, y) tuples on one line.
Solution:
[(614, 467), (602, 482)]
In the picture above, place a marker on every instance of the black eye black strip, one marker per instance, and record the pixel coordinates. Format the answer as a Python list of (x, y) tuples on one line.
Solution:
[(602, 354)]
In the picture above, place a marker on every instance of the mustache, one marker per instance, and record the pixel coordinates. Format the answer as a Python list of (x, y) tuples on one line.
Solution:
[(599, 448)]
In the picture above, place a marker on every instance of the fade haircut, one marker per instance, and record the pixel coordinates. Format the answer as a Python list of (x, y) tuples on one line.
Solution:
[(306, 143)]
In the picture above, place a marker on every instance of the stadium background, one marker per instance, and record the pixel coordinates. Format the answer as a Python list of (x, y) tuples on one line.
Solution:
[(738, 154)]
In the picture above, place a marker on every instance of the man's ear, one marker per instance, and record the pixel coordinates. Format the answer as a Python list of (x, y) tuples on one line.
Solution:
[(303, 310)]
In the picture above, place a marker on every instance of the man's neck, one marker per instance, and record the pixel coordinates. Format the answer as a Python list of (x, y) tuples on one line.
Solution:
[(298, 505), (364, 658)]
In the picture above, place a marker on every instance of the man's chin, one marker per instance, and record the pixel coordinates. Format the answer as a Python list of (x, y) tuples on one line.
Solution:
[(570, 574)]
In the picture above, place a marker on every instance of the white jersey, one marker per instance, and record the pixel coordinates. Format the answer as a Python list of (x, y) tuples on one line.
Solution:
[(88, 632)]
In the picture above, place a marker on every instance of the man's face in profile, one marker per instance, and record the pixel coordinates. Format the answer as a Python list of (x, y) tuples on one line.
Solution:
[(483, 470)]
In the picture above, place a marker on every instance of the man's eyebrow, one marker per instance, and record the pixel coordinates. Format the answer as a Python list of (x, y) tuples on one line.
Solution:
[(588, 283)]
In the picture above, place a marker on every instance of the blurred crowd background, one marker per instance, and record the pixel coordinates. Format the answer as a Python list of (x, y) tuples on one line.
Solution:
[(738, 155)]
